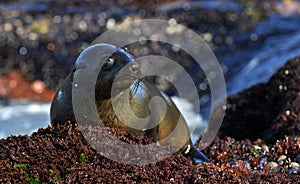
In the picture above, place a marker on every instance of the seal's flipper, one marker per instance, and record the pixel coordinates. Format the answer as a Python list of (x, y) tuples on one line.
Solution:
[(194, 154)]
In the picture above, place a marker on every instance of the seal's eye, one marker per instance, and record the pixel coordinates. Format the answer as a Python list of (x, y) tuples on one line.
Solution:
[(108, 63)]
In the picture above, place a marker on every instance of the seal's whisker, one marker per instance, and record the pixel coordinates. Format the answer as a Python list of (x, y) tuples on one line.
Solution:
[(136, 86)]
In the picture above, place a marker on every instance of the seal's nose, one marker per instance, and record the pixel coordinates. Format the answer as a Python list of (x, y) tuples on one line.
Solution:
[(135, 70)]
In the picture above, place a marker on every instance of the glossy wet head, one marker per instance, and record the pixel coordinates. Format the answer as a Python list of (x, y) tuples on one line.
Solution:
[(120, 64)]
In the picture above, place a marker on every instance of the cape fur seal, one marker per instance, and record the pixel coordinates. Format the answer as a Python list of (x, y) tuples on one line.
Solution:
[(172, 128)]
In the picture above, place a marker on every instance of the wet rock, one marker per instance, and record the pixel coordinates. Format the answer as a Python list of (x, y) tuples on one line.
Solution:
[(272, 166), (281, 159), (268, 111), (295, 166), (265, 148)]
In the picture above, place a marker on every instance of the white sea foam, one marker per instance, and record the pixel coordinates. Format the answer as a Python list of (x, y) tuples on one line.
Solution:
[(20, 119), (194, 120)]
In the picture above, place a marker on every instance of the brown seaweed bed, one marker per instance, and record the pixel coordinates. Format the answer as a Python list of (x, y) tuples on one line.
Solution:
[(263, 123)]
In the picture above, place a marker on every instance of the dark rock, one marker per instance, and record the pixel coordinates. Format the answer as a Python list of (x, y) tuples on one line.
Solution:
[(267, 111)]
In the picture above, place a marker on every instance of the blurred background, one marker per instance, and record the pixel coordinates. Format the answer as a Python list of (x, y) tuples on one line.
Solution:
[(40, 41)]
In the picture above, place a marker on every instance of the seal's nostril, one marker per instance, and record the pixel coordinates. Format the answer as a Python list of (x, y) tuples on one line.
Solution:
[(135, 68)]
